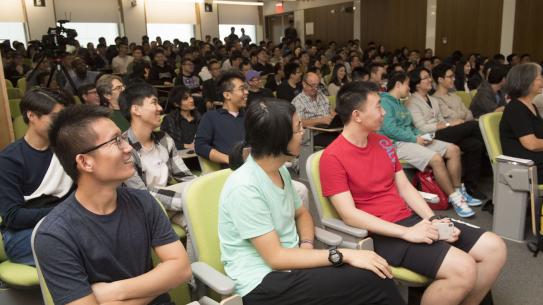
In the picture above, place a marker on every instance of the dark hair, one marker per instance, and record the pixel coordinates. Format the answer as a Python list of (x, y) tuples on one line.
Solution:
[(290, 69), (440, 71), (359, 73), (335, 80), (396, 76), (520, 78), (42, 101), (268, 129), (212, 62), (225, 82), (498, 57), (134, 95), (70, 134), (414, 78), (459, 75), (176, 95), (84, 89), (352, 96), (497, 74), (510, 57)]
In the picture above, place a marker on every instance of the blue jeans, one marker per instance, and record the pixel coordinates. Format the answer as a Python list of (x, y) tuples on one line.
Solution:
[(17, 246)]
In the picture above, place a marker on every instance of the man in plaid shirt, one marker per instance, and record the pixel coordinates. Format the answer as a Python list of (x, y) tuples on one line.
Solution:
[(156, 159)]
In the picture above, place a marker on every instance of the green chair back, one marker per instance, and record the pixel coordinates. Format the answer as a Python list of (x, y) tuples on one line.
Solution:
[(21, 84), (327, 78), (208, 166), (14, 107), (201, 208), (13, 93), (466, 97), (332, 101), (324, 207), (490, 129), (9, 84), (19, 127), (77, 100)]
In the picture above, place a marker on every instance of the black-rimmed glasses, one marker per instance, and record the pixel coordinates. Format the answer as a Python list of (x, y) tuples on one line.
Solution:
[(118, 140)]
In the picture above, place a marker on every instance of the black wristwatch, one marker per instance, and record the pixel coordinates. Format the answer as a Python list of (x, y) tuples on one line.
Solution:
[(335, 257)]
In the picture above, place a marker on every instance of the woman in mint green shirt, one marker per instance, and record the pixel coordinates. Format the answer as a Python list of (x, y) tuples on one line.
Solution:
[(266, 234)]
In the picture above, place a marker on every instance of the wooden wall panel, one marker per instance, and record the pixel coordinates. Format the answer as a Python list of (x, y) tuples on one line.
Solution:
[(527, 36), (331, 23), (393, 23), (469, 26)]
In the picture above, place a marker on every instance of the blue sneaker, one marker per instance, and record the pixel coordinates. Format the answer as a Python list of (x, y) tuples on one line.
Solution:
[(460, 205), (472, 202)]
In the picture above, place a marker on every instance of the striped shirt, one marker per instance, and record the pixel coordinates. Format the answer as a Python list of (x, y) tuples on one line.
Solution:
[(309, 108)]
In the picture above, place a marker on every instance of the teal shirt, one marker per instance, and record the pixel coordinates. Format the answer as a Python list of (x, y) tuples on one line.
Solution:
[(251, 206), (398, 123)]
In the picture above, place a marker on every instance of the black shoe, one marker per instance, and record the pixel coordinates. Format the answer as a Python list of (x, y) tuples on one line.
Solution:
[(476, 193)]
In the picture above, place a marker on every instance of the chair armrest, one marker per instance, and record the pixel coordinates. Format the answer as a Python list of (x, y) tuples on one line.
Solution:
[(429, 197), (327, 238), (212, 278), (339, 225)]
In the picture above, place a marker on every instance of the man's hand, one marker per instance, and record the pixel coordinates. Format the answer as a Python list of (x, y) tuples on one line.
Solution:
[(368, 260), (422, 141), (456, 232), (422, 232), (326, 119), (105, 292)]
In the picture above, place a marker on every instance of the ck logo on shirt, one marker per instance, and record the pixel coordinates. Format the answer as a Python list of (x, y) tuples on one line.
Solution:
[(389, 148)]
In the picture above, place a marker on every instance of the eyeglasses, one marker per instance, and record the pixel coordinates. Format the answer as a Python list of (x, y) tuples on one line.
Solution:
[(118, 140), (315, 86), (118, 88), (450, 76), (241, 88)]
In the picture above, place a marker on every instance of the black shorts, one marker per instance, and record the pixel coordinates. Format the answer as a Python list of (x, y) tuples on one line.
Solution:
[(423, 258), (345, 285)]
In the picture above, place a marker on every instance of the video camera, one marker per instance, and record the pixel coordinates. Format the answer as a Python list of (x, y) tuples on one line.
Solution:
[(55, 44)]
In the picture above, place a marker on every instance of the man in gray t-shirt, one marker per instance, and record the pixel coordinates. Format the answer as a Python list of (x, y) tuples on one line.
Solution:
[(95, 247)]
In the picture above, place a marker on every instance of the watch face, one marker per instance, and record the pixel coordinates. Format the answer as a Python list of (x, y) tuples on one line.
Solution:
[(335, 258)]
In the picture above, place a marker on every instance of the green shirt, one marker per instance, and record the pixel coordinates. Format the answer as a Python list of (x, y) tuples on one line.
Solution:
[(119, 120), (251, 206), (398, 123)]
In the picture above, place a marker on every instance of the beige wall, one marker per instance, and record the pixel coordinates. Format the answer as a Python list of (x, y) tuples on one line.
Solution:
[(134, 28), (39, 18), (12, 11)]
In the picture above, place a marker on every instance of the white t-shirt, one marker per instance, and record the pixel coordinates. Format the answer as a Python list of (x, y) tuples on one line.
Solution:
[(155, 166)]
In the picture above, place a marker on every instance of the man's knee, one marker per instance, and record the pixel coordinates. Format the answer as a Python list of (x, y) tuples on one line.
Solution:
[(453, 152), (459, 267), (436, 160), (490, 247)]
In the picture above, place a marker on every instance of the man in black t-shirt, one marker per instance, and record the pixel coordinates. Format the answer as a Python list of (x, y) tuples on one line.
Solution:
[(292, 86), (95, 247)]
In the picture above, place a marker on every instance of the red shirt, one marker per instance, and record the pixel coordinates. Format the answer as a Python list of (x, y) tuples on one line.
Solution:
[(368, 173)]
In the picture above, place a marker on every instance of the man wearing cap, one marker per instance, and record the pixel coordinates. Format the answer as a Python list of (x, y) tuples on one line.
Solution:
[(255, 87)]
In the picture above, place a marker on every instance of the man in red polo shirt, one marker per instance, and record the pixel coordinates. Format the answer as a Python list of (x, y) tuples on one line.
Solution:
[(361, 174)]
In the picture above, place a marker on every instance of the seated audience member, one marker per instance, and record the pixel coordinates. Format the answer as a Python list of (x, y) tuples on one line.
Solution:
[(220, 129), (32, 180), (16, 69), (109, 88), (412, 147), (490, 96), (89, 94), (521, 127), (115, 228), (187, 77), (44, 66), (80, 76), (161, 72), (291, 85), (137, 54), (338, 79), (42, 80), (244, 67), (120, 63), (156, 159), (264, 229), (209, 87), (360, 74), (263, 66), (273, 81), (383, 201), (140, 73), (427, 117), (461, 72), (376, 74), (233, 61), (255, 87), (450, 104), (182, 121)]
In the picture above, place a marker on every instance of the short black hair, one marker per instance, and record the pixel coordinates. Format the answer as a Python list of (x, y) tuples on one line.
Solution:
[(70, 134), (134, 95), (290, 69), (176, 95), (268, 129), (352, 96), (42, 101), (396, 76), (440, 71), (358, 73), (510, 57), (497, 74), (414, 78), (225, 82), (84, 89)]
